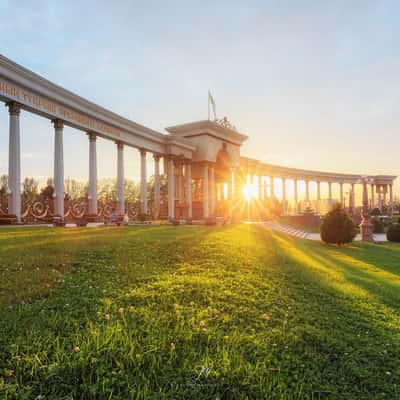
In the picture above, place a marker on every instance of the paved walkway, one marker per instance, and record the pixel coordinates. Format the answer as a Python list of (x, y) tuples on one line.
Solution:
[(290, 230)]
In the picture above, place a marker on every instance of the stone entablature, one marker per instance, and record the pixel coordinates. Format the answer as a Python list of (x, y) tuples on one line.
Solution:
[(209, 138), (264, 169), (40, 96)]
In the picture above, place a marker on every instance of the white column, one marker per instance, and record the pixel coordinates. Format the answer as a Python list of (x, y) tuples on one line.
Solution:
[(341, 193), (120, 179), (205, 192), (212, 191), (254, 184), (390, 199), (307, 191), (181, 189), (259, 187), (188, 176), (353, 196), (143, 182), (262, 187), (272, 186), (92, 174), (284, 195), (58, 168), (296, 197), (156, 210), (385, 195), (330, 192), (380, 198), (372, 196), (233, 183), (232, 190), (14, 162), (318, 196), (265, 190), (171, 189)]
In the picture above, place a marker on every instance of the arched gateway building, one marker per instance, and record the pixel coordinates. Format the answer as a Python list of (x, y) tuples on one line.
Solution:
[(205, 171)]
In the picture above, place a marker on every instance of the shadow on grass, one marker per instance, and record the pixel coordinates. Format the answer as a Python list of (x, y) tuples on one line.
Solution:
[(350, 321), (367, 266), (250, 314)]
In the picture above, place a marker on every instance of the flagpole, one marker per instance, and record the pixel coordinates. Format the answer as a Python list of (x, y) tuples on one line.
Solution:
[(208, 103)]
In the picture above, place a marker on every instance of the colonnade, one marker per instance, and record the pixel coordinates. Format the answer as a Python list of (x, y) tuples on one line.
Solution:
[(14, 173), (381, 189), (179, 179)]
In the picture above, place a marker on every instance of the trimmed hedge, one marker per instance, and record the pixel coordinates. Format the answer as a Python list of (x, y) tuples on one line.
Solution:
[(379, 226), (393, 233), (337, 227)]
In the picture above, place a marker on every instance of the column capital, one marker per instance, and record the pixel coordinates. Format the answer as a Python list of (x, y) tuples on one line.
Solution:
[(58, 123), (142, 152), (13, 108), (120, 145), (92, 136), (156, 156)]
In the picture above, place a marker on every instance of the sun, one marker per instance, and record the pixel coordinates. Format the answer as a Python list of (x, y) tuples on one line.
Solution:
[(250, 191)]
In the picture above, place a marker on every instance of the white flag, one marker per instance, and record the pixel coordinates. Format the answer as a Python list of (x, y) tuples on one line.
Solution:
[(212, 103)]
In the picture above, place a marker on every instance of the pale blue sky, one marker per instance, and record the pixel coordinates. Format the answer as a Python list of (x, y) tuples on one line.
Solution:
[(311, 82)]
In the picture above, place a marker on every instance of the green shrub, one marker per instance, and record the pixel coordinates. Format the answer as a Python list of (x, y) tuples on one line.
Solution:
[(376, 212), (337, 227), (393, 233), (379, 226)]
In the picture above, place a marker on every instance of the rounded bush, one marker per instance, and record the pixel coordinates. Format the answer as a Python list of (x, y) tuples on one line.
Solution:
[(337, 227), (379, 226), (393, 233)]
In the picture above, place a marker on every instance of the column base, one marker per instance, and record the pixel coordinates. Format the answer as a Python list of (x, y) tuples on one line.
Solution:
[(93, 218), (366, 229), (58, 220), (211, 221)]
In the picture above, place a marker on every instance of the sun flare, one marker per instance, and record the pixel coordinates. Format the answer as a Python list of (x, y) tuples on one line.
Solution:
[(250, 191)]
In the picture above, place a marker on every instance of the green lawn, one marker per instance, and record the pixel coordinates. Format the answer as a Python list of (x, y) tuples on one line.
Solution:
[(196, 313)]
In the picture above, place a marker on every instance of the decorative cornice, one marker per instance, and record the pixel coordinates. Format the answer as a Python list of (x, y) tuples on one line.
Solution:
[(26, 79)]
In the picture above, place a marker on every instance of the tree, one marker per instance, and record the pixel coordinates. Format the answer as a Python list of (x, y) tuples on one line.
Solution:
[(47, 192), (337, 227), (30, 189), (75, 189), (3, 185)]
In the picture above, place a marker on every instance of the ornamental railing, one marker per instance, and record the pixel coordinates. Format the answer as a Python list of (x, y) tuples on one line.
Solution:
[(41, 210)]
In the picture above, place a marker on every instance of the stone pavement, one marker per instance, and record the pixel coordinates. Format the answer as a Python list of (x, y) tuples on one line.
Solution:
[(290, 230)]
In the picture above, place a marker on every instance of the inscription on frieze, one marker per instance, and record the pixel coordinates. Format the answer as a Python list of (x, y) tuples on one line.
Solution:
[(25, 97)]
